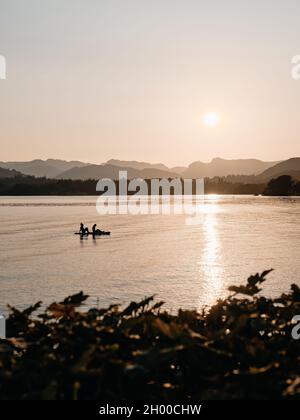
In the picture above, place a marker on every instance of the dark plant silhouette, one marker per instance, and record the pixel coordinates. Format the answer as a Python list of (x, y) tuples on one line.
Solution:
[(240, 348)]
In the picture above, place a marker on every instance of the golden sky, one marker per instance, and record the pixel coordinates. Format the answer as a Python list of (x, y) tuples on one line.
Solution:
[(135, 79)]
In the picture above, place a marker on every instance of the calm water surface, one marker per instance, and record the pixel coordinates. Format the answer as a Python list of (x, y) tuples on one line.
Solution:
[(185, 265)]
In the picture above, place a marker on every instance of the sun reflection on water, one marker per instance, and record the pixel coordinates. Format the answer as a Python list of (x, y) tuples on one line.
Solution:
[(211, 264)]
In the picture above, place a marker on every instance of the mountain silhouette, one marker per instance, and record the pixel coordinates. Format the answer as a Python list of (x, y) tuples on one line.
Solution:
[(7, 173), (137, 165), (42, 168), (288, 167), (221, 167), (236, 170), (112, 172)]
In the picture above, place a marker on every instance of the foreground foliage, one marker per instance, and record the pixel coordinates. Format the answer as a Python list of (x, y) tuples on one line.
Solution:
[(240, 349)]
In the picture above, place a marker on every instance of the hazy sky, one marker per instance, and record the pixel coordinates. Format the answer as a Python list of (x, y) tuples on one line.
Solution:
[(131, 79)]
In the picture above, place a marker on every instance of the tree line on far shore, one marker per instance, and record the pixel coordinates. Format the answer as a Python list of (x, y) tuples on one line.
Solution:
[(30, 186), (284, 185)]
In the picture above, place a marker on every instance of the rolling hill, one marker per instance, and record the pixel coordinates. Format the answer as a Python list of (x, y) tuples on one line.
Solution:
[(145, 165), (238, 170), (42, 168), (7, 173), (112, 172), (287, 167), (137, 165), (222, 167)]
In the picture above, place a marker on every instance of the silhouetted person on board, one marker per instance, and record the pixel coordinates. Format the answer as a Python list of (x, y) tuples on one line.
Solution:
[(96, 231), (83, 230)]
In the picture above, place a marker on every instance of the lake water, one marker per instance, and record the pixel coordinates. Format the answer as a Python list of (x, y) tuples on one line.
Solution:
[(186, 265)]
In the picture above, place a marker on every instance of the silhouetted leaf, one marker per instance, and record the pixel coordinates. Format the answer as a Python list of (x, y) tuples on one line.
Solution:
[(75, 300)]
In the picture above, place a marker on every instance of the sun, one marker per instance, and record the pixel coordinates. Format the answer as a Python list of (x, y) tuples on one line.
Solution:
[(211, 119)]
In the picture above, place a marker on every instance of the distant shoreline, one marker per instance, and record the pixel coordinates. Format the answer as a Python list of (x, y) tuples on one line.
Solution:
[(284, 185), (31, 186)]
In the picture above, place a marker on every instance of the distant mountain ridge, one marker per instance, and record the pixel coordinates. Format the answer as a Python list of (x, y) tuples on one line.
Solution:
[(145, 165), (221, 168), (287, 167), (137, 165), (7, 173), (49, 168), (112, 172), (236, 170)]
